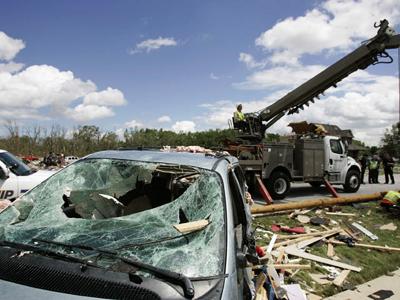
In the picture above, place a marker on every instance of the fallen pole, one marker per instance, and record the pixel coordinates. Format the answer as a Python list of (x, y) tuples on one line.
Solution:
[(317, 203)]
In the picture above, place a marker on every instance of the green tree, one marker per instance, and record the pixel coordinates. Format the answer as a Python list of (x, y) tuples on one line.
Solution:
[(391, 140)]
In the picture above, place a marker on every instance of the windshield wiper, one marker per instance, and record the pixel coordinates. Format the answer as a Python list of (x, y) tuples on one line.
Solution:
[(27, 247), (173, 277)]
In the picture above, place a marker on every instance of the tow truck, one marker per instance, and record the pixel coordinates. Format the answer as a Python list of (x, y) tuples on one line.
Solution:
[(309, 157), (16, 178)]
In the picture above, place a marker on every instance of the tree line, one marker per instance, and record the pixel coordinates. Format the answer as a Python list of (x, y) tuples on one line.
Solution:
[(39, 141)]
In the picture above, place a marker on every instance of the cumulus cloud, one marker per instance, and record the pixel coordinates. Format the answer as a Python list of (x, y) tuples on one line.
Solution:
[(110, 97), (25, 92), (133, 124), (11, 67), (164, 119), (9, 47), (249, 61), (83, 113), (333, 25), (184, 126), (281, 76), (153, 44)]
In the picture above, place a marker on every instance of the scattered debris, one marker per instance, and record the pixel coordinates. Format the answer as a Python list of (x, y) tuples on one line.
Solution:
[(341, 278), (303, 219), (365, 231), (389, 226)]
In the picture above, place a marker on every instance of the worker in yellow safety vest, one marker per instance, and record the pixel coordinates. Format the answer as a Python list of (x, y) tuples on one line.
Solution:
[(239, 120), (391, 198)]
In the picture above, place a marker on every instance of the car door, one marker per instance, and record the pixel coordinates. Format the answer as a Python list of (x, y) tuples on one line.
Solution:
[(8, 183), (336, 159)]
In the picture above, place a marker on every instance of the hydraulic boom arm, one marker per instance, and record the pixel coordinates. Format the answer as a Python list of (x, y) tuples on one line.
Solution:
[(367, 54)]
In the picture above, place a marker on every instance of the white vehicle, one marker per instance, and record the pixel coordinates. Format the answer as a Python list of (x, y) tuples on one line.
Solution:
[(16, 178)]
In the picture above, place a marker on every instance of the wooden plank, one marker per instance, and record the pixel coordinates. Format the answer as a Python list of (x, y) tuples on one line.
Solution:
[(191, 226), (292, 250), (271, 243), (376, 247), (316, 239), (341, 278), (296, 236), (365, 231), (285, 266), (331, 250), (340, 214)]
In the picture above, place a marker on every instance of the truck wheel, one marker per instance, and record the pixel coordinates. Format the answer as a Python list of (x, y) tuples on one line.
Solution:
[(352, 183), (278, 185)]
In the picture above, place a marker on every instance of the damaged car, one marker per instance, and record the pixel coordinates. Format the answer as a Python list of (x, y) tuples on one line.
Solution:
[(131, 224)]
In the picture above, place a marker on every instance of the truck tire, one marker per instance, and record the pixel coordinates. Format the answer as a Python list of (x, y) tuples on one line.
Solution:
[(352, 183), (278, 185)]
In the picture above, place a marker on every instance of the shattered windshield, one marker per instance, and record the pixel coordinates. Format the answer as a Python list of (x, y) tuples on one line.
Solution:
[(169, 216)]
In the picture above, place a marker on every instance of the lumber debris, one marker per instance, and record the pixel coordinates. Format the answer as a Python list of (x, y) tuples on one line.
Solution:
[(293, 250), (340, 214), (341, 278), (389, 226), (320, 278), (331, 250), (323, 202), (307, 242), (191, 226), (376, 247), (365, 231), (285, 266)]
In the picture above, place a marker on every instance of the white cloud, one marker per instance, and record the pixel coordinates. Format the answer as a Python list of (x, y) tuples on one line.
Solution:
[(83, 113), (184, 126), (333, 25), (277, 77), (40, 86), (9, 47), (249, 61), (133, 124), (25, 92), (11, 67), (164, 119), (109, 97), (153, 44), (213, 76)]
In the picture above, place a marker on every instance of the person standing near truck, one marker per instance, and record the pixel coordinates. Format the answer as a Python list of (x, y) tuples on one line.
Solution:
[(239, 119), (373, 168), (363, 163), (388, 164)]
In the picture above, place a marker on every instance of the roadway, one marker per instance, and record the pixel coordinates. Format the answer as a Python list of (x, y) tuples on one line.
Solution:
[(303, 191)]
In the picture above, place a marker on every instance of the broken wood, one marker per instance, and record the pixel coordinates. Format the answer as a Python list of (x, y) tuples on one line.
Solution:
[(376, 247), (285, 266), (341, 278), (318, 238), (340, 214), (293, 250), (389, 226), (331, 250), (191, 226), (271, 243), (260, 281), (323, 202), (365, 231)]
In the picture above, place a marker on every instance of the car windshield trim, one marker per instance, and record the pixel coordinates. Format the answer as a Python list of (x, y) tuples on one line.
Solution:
[(173, 277)]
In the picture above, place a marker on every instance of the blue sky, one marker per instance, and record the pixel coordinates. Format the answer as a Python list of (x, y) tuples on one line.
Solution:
[(206, 57)]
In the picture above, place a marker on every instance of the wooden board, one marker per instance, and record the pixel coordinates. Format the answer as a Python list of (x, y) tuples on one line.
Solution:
[(311, 241), (341, 278), (191, 226), (292, 250), (271, 243), (331, 250)]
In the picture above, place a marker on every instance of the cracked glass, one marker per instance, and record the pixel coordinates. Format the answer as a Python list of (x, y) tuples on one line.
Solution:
[(126, 206)]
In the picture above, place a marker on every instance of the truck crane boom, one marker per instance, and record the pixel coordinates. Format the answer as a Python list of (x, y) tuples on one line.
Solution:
[(369, 53)]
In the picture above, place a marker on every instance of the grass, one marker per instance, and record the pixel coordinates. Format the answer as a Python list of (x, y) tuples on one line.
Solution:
[(374, 263)]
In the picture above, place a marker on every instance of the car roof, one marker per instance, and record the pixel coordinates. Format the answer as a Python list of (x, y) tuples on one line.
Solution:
[(199, 160)]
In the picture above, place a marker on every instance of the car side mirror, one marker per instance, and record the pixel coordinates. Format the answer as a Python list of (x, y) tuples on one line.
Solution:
[(4, 171)]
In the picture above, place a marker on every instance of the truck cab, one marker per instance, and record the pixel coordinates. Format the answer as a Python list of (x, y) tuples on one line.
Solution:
[(16, 178)]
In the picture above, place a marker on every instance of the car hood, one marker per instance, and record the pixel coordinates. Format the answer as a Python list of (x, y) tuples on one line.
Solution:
[(12, 291)]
